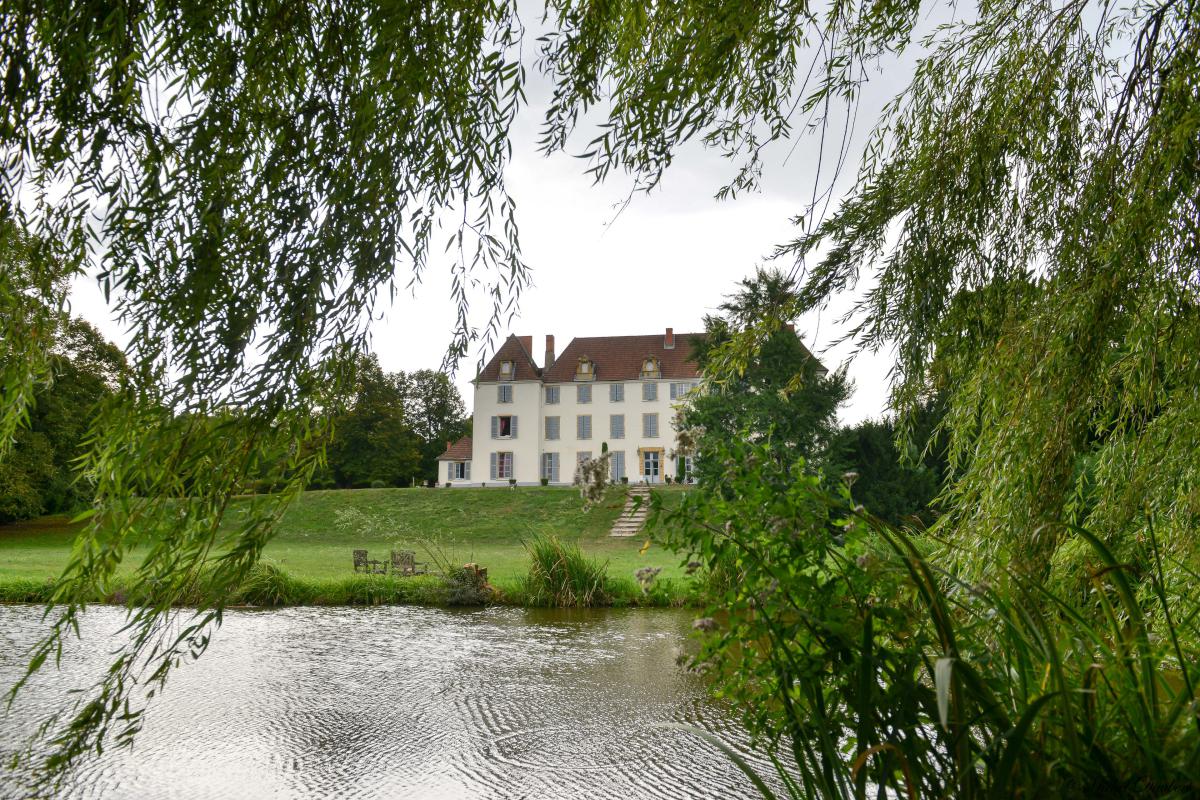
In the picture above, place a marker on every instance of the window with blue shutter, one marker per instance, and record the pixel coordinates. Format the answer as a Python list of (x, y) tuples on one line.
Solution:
[(649, 391), (616, 426), (583, 426), (616, 393), (552, 428), (450, 470), (504, 393), (583, 394), (551, 395), (512, 427), (504, 427), (502, 466), (550, 467), (649, 425), (467, 471), (495, 429), (617, 464)]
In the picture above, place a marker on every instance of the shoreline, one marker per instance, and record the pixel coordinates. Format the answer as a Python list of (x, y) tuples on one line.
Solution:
[(271, 587)]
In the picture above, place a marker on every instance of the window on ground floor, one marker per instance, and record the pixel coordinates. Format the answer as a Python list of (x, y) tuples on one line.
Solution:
[(616, 464), (550, 467), (502, 466)]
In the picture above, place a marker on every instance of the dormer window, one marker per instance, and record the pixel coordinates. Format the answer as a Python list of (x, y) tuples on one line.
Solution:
[(506, 370), (650, 368), (586, 370)]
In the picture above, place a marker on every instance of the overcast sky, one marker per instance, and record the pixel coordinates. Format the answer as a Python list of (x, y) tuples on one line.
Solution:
[(665, 261)]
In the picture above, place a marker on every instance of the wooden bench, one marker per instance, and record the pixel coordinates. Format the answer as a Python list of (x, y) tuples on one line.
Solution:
[(404, 562)]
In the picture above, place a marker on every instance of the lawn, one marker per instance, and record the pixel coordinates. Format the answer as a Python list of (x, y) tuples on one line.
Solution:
[(318, 533)]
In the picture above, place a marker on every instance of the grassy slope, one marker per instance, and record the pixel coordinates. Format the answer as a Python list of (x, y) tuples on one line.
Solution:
[(485, 526)]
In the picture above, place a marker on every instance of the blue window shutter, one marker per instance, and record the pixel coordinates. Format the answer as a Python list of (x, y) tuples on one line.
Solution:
[(467, 471), (513, 427), (493, 464), (495, 430)]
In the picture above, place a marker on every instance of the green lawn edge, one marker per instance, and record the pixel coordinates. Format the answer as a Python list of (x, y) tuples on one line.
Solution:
[(308, 563)]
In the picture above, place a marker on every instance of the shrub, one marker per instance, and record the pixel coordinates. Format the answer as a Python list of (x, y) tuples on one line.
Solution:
[(545, 481), (561, 576), (268, 585), (378, 484), (466, 587), (906, 679), (447, 484)]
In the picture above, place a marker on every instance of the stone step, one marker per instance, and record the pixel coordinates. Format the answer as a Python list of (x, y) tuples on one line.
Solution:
[(633, 515)]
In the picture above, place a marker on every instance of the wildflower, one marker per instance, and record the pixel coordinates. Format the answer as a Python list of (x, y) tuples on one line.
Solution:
[(850, 477)]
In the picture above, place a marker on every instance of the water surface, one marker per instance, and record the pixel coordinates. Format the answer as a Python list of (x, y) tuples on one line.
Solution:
[(397, 702)]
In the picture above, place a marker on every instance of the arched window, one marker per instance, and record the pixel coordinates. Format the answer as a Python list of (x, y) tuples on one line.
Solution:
[(586, 370), (650, 368)]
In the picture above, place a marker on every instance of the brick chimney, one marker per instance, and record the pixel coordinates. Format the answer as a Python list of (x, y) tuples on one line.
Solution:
[(527, 343), (549, 351), (669, 339)]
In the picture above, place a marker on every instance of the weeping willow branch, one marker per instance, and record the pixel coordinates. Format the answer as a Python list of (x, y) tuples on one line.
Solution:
[(245, 179)]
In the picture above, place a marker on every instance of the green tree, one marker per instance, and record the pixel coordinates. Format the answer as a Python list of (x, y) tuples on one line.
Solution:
[(436, 412), (373, 439), (784, 396), (40, 473), (26, 476), (894, 478)]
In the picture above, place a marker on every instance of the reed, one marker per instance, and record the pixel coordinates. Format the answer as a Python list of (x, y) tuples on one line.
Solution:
[(561, 576)]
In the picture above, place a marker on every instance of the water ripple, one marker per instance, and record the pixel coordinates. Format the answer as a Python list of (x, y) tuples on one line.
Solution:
[(401, 702)]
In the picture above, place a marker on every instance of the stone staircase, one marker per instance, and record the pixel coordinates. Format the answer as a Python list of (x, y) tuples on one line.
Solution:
[(630, 522)]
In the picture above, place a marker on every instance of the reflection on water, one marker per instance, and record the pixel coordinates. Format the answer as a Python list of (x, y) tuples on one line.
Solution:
[(401, 702)]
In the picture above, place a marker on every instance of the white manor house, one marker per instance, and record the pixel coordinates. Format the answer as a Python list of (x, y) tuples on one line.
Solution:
[(536, 422)]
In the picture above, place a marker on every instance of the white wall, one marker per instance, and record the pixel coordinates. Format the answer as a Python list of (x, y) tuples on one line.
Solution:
[(525, 446), (530, 408)]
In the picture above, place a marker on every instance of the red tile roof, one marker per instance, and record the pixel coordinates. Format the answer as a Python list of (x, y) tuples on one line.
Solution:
[(457, 451), (515, 350), (619, 358)]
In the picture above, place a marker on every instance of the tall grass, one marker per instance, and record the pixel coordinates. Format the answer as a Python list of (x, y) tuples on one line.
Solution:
[(561, 576)]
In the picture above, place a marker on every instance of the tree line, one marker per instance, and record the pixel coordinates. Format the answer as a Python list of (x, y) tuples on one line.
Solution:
[(388, 432)]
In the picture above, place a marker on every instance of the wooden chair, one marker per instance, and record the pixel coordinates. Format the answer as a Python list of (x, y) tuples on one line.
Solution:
[(404, 562), (360, 561)]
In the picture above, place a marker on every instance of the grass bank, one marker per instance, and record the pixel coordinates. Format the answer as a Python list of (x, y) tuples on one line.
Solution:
[(309, 560)]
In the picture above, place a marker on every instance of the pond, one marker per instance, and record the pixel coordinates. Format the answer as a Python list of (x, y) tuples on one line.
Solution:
[(396, 702)]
